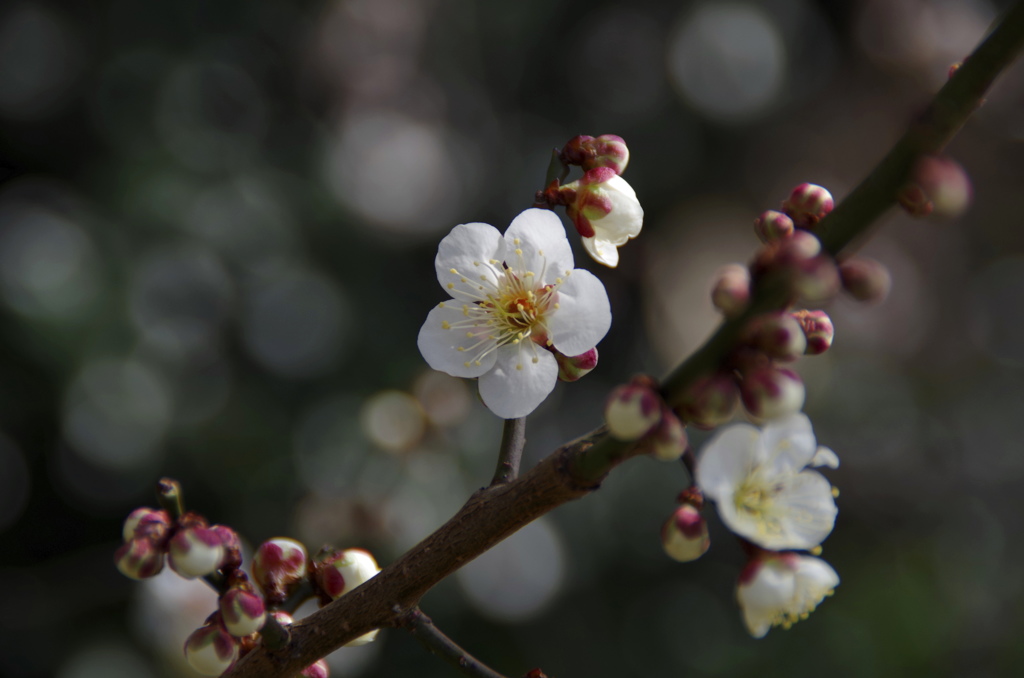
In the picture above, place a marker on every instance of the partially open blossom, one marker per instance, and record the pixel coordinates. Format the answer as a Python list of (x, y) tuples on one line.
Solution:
[(772, 225), (195, 551), (684, 536), (818, 330), (139, 558), (808, 204), (777, 335), (770, 392), (632, 409), (780, 589), (242, 611), (710, 401), (572, 368), (731, 291), (319, 669), (605, 211), (512, 296), (146, 522), (865, 279), (278, 566), (607, 150), (761, 486), (341, 571), (210, 650)]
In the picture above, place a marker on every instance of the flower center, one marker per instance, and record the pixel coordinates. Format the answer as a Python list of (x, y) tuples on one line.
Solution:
[(756, 500)]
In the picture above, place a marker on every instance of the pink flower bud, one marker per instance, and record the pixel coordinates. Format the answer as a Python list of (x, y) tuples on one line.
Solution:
[(571, 368), (139, 558), (605, 211), (341, 571), (808, 204), (818, 330), (865, 279), (278, 566), (914, 200), (769, 392), (943, 182), (210, 650), (232, 547), (633, 409), (242, 611), (318, 670), (777, 335), (684, 536), (710, 401), (607, 150), (772, 226), (146, 522), (731, 292), (195, 551), (667, 440)]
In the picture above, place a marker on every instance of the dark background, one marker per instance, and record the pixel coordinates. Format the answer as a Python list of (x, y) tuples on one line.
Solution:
[(217, 226)]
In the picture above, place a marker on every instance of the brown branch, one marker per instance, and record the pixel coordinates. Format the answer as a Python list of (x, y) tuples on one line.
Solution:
[(576, 469), (422, 628), (513, 439)]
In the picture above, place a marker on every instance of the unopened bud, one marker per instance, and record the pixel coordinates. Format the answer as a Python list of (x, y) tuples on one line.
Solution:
[(865, 279), (632, 409), (731, 292), (777, 335), (320, 669), (139, 558), (341, 571), (914, 200), (818, 330), (808, 204), (667, 440), (571, 368), (232, 547), (195, 551), (943, 182), (772, 226), (684, 536), (605, 211), (710, 401), (242, 611), (770, 392), (607, 150), (210, 650), (278, 566), (146, 522)]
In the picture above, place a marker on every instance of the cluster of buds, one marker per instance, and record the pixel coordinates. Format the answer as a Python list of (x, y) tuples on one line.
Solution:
[(602, 206), (248, 613), (637, 412)]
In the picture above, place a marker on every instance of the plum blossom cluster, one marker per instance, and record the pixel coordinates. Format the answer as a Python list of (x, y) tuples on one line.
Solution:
[(519, 317), (249, 612)]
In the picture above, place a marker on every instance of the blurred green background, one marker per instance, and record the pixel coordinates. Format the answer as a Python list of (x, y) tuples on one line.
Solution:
[(217, 227)]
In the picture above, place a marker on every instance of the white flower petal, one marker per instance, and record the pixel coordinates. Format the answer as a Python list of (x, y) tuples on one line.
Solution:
[(543, 244), (727, 460), (788, 443), (439, 346), (517, 385), (627, 216), (602, 251), (825, 457), (781, 589), (468, 248), (583, 315), (806, 512)]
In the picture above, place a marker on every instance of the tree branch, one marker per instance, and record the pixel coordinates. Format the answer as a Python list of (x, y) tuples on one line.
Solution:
[(422, 627), (513, 439), (577, 468)]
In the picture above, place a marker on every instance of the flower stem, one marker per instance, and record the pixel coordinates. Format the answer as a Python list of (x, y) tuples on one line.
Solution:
[(510, 455), (168, 495), (422, 628)]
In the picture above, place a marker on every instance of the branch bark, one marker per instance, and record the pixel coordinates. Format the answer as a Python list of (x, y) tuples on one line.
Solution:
[(576, 469), (422, 628)]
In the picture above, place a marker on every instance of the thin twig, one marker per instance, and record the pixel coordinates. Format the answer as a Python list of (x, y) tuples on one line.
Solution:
[(422, 628), (513, 439)]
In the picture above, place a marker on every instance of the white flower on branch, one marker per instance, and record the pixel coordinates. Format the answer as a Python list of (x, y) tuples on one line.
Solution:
[(513, 297), (605, 211), (762, 488), (780, 589)]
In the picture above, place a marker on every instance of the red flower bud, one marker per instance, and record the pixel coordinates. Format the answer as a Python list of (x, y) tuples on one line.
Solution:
[(139, 558), (818, 330), (731, 291), (571, 368), (769, 392), (808, 204), (278, 566), (772, 226), (710, 401), (865, 279)]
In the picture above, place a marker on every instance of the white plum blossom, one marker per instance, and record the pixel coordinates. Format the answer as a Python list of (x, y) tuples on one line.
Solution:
[(780, 589), (605, 211), (512, 297), (762, 488)]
